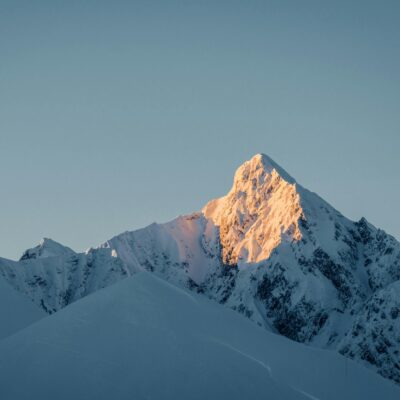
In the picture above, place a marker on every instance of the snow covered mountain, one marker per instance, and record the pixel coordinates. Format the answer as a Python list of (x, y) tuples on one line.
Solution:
[(145, 338), (47, 248), (269, 249)]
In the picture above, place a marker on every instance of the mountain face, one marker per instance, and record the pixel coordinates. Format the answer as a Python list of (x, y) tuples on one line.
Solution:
[(46, 248), (257, 213), (144, 338), (270, 249)]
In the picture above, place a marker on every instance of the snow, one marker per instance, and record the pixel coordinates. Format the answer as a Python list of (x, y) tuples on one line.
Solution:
[(260, 208), (16, 311), (144, 338), (270, 249), (47, 248)]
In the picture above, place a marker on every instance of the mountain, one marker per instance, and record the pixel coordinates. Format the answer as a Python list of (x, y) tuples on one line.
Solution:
[(47, 248), (16, 312), (270, 250), (145, 338), (54, 282)]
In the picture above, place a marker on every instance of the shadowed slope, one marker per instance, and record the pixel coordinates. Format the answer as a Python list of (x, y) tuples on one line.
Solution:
[(145, 338)]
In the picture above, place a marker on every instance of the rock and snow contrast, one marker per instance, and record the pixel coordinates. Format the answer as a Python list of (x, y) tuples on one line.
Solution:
[(145, 338), (47, 248), (270, 249)]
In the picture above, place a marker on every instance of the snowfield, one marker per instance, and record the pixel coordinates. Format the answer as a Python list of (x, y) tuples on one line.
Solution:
[(144, 338), (16, 312)]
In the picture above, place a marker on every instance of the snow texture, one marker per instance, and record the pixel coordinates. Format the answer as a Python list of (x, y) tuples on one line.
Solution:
[(145, 338), (16, 312), (46, 248)]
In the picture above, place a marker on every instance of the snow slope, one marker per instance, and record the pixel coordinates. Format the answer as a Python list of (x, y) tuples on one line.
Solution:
[(47, 248), (144, 338), (16, 312)]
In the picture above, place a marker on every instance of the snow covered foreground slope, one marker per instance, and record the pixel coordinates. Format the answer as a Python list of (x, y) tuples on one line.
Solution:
[(269, 249), (16, 312), (144, 338)]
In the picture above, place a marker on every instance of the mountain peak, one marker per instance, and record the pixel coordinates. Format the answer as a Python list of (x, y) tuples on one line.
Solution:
[(261, 164), (46, 248), (47, 242), (261, 209)]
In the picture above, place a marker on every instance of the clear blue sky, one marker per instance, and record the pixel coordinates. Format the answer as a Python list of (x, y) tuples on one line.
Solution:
[(120, 113)]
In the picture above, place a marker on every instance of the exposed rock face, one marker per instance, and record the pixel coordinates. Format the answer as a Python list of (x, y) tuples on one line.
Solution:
[(375, 334), (252, 218), (269, 249)]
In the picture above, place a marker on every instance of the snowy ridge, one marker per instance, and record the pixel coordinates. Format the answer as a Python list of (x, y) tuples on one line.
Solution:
[(47, 248), (259, 210), (146, 338), (269, 249), (54, 282)]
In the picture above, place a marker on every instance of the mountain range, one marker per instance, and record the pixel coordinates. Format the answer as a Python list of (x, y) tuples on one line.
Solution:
[(270, 250)]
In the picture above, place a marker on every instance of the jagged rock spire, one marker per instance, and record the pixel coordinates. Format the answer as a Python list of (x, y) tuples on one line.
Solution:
[(262, 207)]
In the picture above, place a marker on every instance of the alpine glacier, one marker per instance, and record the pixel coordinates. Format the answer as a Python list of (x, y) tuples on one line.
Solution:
[(270, 249)]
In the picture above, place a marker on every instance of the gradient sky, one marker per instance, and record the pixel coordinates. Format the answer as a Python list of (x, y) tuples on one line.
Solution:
[(117, 114)]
